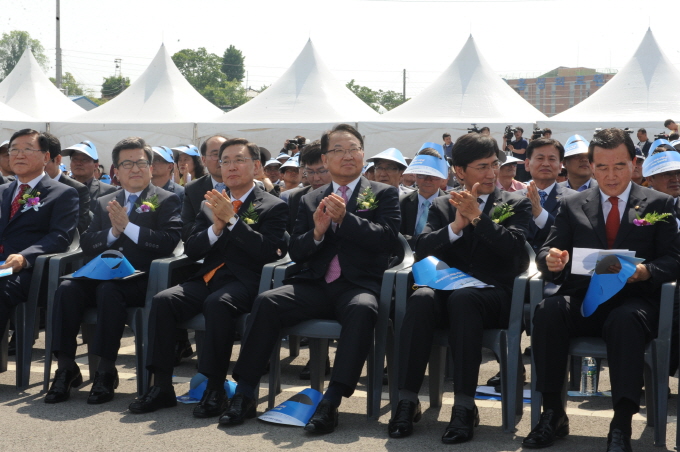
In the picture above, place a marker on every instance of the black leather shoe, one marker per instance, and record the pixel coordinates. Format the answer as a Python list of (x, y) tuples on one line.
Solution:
[(401, 425), (549, 428), (495, 381), (154, 399), (240, 409), (324, 419), (213, 403), (306, 374), (183, 349), (617, 441), (64, 380), (462, 425), (102, 388)]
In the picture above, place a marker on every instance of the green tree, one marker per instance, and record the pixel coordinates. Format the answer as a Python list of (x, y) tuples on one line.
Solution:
[(233, 64), (200, 68), (372, 98), (391, 99), (13, 45), (227, 96), (114, 85), (69, 84)]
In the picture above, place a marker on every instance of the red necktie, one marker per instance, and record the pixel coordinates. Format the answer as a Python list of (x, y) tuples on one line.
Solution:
[(208, 276), (613, 222), (15, 203), (334, 270)]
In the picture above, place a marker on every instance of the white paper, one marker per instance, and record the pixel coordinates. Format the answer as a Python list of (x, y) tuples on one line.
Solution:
[(584, 260)]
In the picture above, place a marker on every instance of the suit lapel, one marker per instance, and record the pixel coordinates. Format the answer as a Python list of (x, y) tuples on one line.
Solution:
[(360, 187), (491, 202), (7, 203), (593, 211), (411, 209), (40, 187), (636, 204), (551, 202), (147, 193)]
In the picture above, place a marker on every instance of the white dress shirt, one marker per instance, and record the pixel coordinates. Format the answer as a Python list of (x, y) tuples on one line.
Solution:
[(212, 237), (131, 230), (452, 235)]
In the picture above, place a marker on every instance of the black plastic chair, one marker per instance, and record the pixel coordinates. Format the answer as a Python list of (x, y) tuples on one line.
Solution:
[(505, 343), (657, 357)]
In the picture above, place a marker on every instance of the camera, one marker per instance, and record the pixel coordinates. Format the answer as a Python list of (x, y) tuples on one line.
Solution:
[(473, 129), (293, 143), (537, 133), (661, 135), (509, 132)]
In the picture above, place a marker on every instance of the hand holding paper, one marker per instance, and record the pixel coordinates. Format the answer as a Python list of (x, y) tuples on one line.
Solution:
[(604, 284), (556, 260)]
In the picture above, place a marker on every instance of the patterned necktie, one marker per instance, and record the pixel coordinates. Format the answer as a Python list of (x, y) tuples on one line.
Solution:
[(334, 270), (15, 202), (422, 220), (543, 196), (613, 222), (132, 199), (220, 186), (208, 276)]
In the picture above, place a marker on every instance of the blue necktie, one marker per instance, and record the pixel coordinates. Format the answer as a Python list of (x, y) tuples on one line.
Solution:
[(220, 186), (132, 199), (422, 220), (543, 196)]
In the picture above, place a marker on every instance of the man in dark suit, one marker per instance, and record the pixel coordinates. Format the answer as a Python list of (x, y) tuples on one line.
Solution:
[(465, 230), (5, 168), (603, 218), (84, 161), (143, 223), (52, 169), (415, 205), (161, 175), (196, 189), (317, 175), (245, 233), (37, 216), (341, 244), (579, 171)]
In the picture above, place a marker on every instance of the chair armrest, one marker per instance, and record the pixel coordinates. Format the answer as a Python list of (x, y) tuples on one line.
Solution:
[(268, 274), (666, 310)]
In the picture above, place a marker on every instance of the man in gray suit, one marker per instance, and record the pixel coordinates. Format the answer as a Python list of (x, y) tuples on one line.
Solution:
[(84, 160)]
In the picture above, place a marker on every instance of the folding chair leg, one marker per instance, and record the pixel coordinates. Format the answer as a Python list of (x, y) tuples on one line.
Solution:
[(436, 373), (294, 345), (318, 351), (92, 359), (274, 374), (4, 345)]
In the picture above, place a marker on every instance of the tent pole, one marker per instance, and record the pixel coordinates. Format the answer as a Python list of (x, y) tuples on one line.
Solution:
[(196, 134)]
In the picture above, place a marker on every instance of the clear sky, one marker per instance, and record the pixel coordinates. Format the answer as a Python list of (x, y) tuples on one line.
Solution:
[(371, 41)]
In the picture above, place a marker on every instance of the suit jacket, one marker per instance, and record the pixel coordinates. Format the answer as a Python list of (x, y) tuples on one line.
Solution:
[(294, 204), (175, 188), (194, 193), (409, 205), (247, 247), (84, 215), (565, 184), (159, 233), (580, 223), (493, 253), (537, 236), (97, 190), (50, 229), (363, 242), (6, 179)]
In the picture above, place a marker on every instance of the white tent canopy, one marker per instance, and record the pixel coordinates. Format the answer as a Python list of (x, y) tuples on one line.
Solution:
[(160, 106), (644, 93), (12, 120), (467, 92), (30, 91), (306, 100)]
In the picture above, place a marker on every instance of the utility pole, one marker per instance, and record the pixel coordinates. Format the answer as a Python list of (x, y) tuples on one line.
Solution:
[(119, 70), (58, 68), (404, 91)]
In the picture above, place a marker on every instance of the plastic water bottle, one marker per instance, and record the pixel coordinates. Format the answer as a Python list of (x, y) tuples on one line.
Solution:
[(588, 376)]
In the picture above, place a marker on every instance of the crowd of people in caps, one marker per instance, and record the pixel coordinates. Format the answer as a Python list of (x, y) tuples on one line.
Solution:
[(469, 202)]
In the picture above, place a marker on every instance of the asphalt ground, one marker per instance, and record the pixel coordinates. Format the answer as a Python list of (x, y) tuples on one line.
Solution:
[(28, 424)]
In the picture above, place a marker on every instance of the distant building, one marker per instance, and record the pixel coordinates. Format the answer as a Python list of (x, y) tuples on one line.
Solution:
[(560, 89), (83, 101)]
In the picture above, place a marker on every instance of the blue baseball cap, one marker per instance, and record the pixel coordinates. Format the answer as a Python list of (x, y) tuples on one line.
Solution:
[(84, 147), (428, 165), (108, 265), (436, 146), (272, 162), (367, 167), (292, 162), (283, 155), (188, 149), (105, 178), (575, 145), (392, 154), (659, 142), (164, 152), (661, 162), (4, 144), (62, 167)]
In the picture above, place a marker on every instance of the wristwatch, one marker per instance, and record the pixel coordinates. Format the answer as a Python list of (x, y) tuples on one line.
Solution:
[(232, 220), (476, 220)]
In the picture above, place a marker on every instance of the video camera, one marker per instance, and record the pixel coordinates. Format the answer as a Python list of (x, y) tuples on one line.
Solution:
[(661, 135), (509, 132), (294, 143), (473, 129), (538, 133)]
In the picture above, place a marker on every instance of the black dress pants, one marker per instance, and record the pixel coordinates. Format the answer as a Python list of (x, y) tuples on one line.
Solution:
[(354, 307), (111, 298), (626, 325), (465, 313), (13, 290)]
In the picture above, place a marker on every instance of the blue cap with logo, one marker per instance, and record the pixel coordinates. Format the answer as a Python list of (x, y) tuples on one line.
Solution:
[(164, 152), (575, 145), (428, 165), (108, 265), (367, 167), (84, 147), (188, 149), (392, 154), (436, 146), (292, 162), (661, 162)]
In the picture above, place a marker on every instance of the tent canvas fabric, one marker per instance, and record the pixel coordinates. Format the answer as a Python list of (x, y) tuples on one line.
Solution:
[(644, 93), (467, 92), (12, 120), (28, 90), (306, 100), (160, 106)]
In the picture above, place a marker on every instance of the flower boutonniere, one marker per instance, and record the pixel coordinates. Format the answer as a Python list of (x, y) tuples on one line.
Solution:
[(366, 201), (501, 213), (30, 200), (148, 205), (249, 216), (650, 219)]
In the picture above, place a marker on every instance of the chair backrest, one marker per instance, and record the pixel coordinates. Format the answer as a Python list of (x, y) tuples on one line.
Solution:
[(532, 257), (75, 243), (179, 249), (401, 252)]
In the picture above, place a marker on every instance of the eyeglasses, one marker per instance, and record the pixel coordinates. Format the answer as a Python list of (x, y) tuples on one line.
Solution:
[(485, 166), (15, 152), (669, 175), (291, 170), (213, 156), (387, 169), (309, 173), (343, 152), (128, 164), (239, 161)]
